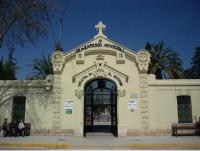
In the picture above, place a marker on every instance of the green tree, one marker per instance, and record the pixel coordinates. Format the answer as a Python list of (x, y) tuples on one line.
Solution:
[(165, 62), (8, 68), (1, 68), (41, 68), (188, 73), (23, 21), (194, 71)]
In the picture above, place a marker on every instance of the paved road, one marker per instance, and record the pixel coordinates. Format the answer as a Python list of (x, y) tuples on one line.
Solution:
[(102, 141)]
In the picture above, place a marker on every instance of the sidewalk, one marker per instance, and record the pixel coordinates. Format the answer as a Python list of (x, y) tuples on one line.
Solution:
[(100, 142)]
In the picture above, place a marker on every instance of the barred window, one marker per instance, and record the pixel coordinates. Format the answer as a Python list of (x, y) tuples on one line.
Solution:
[(184, 109)]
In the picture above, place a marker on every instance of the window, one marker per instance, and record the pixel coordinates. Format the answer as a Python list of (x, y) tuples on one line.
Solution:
[(184, 109), (18, 112)]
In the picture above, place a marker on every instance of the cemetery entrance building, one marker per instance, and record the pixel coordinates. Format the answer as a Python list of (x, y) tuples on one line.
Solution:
[(100, 86)]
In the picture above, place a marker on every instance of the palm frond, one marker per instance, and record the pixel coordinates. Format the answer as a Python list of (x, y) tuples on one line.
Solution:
[(41, 67), (165, 62)]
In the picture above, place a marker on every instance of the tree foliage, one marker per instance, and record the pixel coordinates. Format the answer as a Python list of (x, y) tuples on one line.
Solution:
[(194, 71), (41, 67), (8, 68), (1, 68), (23, 21), (165, 62)]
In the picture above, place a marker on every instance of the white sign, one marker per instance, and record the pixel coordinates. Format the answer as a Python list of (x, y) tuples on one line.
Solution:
[(132, 104), (69, 105)]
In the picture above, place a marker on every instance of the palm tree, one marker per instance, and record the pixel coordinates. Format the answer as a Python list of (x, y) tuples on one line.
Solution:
[(165, 62), (41, 68)]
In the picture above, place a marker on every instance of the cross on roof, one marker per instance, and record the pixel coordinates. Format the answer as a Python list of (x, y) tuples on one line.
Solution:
[(101, 27)]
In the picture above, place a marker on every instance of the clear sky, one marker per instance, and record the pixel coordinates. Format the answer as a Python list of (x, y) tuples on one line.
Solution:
[(129, 22)]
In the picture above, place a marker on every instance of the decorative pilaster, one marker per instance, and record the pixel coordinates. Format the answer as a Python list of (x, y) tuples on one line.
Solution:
[(57, 61), (143, 59), (56, 103), (144, 107)]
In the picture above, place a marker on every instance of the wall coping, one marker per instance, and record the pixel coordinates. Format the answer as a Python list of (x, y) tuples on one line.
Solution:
[(177, 82), (22, 83)]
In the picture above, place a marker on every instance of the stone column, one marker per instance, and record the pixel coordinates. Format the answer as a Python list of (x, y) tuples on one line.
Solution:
[(57, 61), (143, 59)]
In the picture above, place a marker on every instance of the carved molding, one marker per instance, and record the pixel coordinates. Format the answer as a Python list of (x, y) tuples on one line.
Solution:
[(57, 61), (121, 93), (143, 81), (79, 93), (100, 69), (49, 82), (143, 60), (120, 57), (80, 57), (100, 57), (100, 73)]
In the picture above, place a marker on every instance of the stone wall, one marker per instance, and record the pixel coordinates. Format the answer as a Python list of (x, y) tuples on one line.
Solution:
[(38, 104)]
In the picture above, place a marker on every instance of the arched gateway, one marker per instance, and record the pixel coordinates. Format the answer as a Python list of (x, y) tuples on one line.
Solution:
[(100, 84), (100, 106)]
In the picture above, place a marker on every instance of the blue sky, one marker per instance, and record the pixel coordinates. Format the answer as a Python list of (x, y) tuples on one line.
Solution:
[(129, 22)]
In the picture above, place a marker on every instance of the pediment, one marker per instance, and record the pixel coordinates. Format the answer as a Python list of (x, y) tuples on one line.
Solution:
[(101, 44), (100, 70)]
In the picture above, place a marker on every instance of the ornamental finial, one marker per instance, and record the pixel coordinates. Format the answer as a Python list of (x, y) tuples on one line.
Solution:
[(101, 27)]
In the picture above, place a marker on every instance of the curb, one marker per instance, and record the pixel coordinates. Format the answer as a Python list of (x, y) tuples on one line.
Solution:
[(164, 146), (85, 146), (49, 146)]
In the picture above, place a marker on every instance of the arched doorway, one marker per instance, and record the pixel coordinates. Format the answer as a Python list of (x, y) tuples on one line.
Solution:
[(100, 107)]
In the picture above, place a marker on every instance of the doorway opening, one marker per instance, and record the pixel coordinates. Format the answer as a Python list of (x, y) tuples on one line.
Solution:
[(100, 107), (18, 110)]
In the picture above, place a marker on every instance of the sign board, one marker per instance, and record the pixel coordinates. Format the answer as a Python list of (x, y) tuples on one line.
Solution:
[(68, 107), (132, 104), (68, 104)]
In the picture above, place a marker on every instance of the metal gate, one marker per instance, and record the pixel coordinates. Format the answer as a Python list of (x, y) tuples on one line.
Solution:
[(100, 107)]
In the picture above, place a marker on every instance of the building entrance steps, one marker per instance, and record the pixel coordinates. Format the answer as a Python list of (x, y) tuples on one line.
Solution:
[(97, 134)]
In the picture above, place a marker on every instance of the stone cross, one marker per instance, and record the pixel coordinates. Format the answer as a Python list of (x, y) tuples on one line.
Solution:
[(100, 26)]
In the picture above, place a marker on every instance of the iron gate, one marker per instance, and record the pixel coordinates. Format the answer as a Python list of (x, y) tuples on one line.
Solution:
[(100, 107)]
